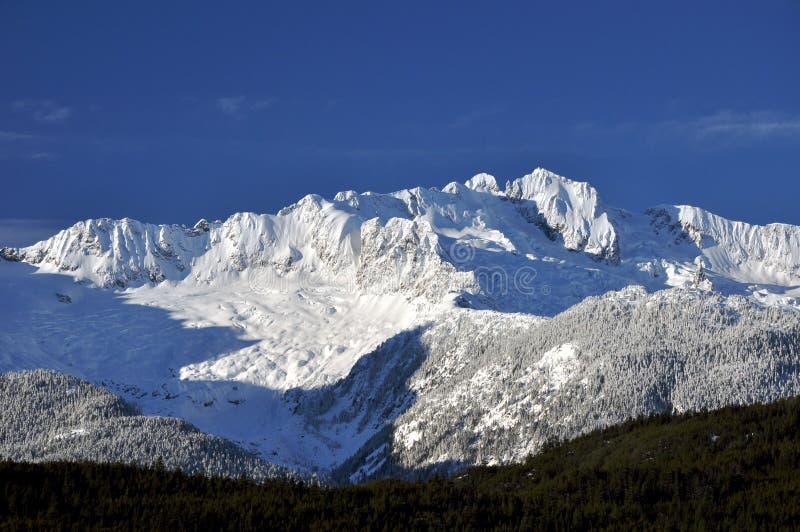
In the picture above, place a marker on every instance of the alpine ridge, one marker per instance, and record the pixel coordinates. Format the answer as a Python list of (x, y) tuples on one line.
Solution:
[(416, 331)]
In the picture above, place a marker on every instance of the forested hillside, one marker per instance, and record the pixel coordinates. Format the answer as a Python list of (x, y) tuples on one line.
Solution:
[(47, 416), (517, 384), (734, 468)]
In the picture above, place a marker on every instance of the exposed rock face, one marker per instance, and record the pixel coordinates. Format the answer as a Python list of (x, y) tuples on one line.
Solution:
[(10, 254)]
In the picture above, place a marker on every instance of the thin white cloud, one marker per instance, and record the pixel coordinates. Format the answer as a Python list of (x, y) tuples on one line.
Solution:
[(589, 127), (724, 127), (42, 156), (260, 105), (46, 111), (732, 128), (585, 126), (748, 125), (58, 114), (476, 115), (22, 144), (13, 136), (239, 105), (230, 104)]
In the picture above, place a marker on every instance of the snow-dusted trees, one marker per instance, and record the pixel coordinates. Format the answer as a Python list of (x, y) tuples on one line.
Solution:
[(51, 416), (476, 387), (494, 388)]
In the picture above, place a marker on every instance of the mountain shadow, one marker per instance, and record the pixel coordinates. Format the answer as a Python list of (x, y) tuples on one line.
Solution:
[(50, 321), (360, 408)]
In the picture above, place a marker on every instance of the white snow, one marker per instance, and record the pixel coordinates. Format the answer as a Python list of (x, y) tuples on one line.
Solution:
[(214, 323), (483, 183), (73, 433), (558, 364), (409, 434)]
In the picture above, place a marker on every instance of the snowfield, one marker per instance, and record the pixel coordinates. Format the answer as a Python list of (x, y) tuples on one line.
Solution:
[(341, 336)]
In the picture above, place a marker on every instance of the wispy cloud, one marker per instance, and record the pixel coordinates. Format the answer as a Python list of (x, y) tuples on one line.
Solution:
[(590, 127), (42, 156), (46, 111), (239, 105), (14, 136), (721, 128), (231, 104), (18, 145), (260, 105), (732, 125), (476, 115)]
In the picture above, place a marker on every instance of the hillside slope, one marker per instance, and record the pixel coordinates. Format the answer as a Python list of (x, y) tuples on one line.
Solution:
[(49, 416), (516, 383), (734, 468)]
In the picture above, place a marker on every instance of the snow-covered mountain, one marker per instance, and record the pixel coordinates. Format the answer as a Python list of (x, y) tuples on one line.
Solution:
[(319, 336), (415, 240)]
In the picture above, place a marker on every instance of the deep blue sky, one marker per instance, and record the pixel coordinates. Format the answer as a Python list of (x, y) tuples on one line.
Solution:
[(169, 112)]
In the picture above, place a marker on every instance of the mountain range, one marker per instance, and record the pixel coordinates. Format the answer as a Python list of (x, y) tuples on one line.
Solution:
[(407, 333)]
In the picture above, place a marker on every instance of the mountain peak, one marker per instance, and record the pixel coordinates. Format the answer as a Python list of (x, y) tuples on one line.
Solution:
[(542, 182), (483, 183), (573, 208)]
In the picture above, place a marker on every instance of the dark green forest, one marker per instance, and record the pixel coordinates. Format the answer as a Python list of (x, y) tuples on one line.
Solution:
[(735, 468)]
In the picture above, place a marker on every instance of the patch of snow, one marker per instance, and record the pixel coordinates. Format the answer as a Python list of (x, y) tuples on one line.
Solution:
[(558, 364), (73, 433)]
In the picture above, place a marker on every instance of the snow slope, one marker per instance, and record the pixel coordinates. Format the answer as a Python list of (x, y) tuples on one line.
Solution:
[(250, 328)]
